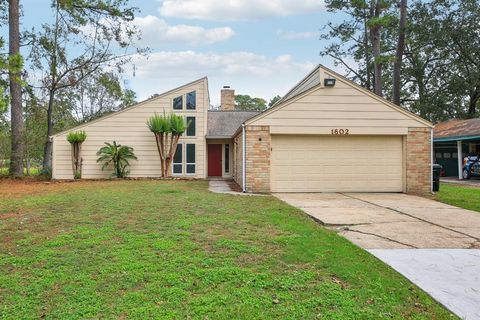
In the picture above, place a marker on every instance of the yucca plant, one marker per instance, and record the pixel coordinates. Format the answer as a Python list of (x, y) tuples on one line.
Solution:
[(167, 130), (118, 155), (76, 138)]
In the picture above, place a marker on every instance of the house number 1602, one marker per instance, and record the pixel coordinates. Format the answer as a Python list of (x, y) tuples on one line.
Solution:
[(340, 131)]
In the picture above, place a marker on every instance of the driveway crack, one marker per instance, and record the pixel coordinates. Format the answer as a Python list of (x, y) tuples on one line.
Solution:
[(382, 237), (412, 216)]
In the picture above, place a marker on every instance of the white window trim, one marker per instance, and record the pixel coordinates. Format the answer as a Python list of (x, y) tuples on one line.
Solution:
[(225, 173), (185, 133), (182, 163), (184, 103), (190, 163)]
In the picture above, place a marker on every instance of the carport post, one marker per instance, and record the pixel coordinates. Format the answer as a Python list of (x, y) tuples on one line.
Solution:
[(460, 160)]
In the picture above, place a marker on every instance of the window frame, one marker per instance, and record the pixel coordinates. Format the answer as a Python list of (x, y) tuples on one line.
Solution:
[(173, 103), (195, 123), (226, 158), (194, 92), (178, 163), (191, 163)]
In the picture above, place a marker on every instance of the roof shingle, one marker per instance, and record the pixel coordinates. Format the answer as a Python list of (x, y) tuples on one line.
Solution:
[(457, 128), (224, 124)]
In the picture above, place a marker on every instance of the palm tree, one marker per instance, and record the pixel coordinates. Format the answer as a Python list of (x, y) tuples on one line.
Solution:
[(118, 155), (76, 139), (167, 130)]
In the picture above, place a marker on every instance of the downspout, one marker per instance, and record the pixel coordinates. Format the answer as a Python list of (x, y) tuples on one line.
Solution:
[(244, 159), (431, 160)]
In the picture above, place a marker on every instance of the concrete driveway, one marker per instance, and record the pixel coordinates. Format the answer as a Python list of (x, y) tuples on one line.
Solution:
[(435, 245)]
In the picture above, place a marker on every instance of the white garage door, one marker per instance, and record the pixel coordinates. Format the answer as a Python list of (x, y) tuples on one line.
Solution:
[(336, 164)]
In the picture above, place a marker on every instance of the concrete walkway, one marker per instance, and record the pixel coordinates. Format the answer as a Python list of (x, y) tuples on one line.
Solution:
[(227, 187), (451, 276), (435, 245)]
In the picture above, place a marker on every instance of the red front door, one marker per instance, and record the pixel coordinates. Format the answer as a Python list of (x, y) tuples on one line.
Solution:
[(214, 160)]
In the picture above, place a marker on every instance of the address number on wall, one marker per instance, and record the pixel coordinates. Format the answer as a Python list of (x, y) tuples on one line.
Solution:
[(340, 131)]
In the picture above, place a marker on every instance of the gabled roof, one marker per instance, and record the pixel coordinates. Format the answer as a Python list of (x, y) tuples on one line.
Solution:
[(133, 106), (311, 80), (456, 129), (224, 124), (314, 80)]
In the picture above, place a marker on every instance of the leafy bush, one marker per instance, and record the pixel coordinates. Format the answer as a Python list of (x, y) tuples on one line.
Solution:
[(118, 155), (76, 137)]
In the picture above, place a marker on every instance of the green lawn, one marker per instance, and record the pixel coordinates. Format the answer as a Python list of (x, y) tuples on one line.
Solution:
[(172, 250), (460, 196)]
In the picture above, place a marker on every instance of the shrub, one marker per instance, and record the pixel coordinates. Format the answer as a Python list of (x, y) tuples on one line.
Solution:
[(118, 155)]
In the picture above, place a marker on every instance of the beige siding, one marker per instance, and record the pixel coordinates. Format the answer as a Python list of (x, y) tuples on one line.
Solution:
[(128, 127), (337, 164), (343, 106)]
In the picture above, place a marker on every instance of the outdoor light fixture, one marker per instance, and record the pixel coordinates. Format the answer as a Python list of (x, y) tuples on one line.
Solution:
[(329, 82)]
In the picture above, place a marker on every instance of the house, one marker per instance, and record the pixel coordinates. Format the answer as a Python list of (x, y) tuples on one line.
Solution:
[(327, 134), (452, 141)]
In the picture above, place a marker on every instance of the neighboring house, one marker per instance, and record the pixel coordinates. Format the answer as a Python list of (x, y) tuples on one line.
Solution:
[(326, 135), (452, 141)]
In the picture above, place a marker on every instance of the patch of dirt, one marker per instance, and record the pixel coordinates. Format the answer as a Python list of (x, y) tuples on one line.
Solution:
[(234, 186), (10, 215), (14, 188)]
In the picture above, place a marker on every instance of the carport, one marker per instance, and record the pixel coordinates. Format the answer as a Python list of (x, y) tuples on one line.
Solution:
[(452, 141)]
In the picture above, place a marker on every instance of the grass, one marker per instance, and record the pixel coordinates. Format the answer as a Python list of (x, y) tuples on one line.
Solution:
[(34, 171), (173, 250), (460, 196)]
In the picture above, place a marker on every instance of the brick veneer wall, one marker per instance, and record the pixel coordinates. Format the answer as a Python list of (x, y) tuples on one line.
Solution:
[(418, 161), (237, 157), (258, 159)]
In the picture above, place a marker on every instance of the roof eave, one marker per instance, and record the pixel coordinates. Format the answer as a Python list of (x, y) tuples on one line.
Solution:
[(458, 138)]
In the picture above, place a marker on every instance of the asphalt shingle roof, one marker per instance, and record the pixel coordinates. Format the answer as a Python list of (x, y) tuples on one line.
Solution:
[(224, 124), (457, 128)]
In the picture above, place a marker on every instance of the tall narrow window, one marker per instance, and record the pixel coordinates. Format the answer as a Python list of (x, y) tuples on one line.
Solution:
[(191, 100), (177, 160), (227, 158), (178, 103), (191, 130), (190, 157)]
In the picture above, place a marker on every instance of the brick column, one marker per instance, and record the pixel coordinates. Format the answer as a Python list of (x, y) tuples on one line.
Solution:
[(258, 159), (418, 161)]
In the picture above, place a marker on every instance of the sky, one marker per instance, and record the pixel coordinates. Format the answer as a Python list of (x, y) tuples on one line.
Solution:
[(260, 48)]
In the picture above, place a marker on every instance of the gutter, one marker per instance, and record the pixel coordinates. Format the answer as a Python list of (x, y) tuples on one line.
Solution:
[(244, 159), (459, 138)]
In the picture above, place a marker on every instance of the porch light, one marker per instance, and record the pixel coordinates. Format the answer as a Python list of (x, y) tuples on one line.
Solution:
[(329, 82)]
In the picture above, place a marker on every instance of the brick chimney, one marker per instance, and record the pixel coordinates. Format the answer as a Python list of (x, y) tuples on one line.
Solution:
[(227, 99)]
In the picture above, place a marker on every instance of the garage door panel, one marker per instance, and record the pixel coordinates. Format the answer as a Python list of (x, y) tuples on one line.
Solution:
[(336, 164)]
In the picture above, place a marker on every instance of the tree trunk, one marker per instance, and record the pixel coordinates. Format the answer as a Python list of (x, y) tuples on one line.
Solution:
[(375, 36), (366, 46), (47, 151), (472, 104), (397, 65), (16, 159)]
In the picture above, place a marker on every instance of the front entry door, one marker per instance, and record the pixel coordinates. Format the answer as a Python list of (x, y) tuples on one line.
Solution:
[(214, 160)]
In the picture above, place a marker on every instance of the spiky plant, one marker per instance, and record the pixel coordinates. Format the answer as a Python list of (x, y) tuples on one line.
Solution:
[(118, 155), (76, 138), (167, 130)]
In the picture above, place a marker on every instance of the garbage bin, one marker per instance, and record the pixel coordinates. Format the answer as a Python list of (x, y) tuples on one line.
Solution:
[(436, 177)]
